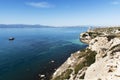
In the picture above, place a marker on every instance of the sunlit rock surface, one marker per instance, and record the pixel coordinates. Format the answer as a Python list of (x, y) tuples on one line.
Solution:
[(99, 61)]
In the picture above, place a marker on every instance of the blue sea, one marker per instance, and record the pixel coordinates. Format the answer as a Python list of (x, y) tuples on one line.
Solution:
[(33, 50)]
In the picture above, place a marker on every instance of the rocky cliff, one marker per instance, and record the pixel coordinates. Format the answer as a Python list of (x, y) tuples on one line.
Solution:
[(99, 61)]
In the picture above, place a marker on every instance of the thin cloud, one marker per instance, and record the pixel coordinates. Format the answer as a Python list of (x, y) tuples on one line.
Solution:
[(115, 2), (40, 4)]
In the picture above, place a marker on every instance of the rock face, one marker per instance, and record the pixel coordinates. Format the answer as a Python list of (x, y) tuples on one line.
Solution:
[(75, 66), (99, 61), (107, 64)]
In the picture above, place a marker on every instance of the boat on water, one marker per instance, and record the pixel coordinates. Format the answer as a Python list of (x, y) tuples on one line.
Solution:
[(11, 38)]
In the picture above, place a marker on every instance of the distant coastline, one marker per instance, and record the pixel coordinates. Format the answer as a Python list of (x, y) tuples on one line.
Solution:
[(35, 26), (22, 26), (47, 26)]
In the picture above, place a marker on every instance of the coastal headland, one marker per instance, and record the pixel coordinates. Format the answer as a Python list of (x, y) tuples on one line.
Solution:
[(99, 61)]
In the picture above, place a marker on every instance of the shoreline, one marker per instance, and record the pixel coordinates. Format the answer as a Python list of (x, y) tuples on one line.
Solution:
[(82, 65)]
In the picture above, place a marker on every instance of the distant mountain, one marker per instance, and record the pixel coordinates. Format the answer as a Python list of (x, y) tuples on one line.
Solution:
[(36, 26), (22, 26)]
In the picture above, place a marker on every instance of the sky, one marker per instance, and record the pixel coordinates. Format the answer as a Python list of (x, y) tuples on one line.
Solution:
[(60, 12)]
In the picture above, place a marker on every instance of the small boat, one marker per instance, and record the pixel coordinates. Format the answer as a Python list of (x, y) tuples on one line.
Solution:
[(11, 38)]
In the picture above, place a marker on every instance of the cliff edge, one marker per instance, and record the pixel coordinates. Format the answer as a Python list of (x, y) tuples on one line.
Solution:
[(99, 61)]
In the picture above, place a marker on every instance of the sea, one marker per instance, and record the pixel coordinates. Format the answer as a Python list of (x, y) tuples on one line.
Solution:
[(36, 51)]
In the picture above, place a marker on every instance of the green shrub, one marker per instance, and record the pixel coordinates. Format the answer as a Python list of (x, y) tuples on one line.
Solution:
[(111, 37), (78, 67), (64, 75), (94, 34), (89, 59), (84, 35)]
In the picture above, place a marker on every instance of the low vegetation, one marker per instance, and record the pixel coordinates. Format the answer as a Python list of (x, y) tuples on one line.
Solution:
[(94, 34), (79, 67), (64, 75), (111, 37), (89, 59), (108, 30)]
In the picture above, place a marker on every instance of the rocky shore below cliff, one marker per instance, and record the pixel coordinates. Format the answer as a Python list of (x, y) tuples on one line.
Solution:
[(99, 61)]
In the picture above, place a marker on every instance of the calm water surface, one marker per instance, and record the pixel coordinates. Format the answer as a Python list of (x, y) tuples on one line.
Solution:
[(33, 49)]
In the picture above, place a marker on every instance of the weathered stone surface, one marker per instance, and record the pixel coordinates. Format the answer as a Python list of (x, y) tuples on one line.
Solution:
[(99, 61), (108, 67)]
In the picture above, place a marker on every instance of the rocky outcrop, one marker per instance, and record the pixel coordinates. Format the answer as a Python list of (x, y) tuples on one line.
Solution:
[(99, 61), (107, 64), (88, 36), (75, 66)]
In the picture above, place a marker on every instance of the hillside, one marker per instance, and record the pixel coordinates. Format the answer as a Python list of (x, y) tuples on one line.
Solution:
[(99, 61), (22, 26)]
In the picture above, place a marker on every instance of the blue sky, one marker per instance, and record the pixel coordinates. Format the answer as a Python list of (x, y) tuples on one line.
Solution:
[(60, 12)]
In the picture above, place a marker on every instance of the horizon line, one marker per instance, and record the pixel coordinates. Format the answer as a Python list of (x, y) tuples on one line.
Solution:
[(65, 25)]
